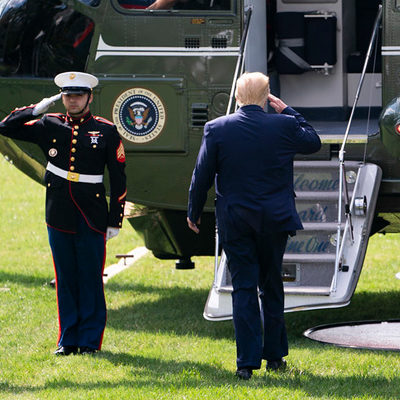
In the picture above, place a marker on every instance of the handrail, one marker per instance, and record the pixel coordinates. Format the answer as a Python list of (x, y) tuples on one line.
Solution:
[(242, 49), (239, 67), (342, 178), (346, 229)]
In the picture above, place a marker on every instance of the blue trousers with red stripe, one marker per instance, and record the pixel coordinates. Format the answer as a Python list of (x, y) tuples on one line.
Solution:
[(79, 263)]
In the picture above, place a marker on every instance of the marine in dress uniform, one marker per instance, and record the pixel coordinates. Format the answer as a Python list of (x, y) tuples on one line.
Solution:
[(250, 156), (78, 146)]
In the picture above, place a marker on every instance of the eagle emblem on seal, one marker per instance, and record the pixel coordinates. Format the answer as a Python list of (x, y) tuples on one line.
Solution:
[(139, 115)]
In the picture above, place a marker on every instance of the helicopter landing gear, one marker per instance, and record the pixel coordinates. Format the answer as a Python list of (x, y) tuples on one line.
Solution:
[(184, 263)]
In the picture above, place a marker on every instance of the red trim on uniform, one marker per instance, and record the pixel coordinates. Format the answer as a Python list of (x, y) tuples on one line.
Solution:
[(57, 115), (120, 198), (77, 120), (101, 119), (32, 122), (17, 109), (80, 210), (102, 272), (58, 229), (58, 309), (84, 35), (70, 149)]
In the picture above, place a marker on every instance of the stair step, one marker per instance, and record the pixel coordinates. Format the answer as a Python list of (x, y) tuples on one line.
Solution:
[(309, 258), (307, 243), (323, 165), (289, 289), (319, 195), (322, 176), (308, 290), (225, 289), (322, 226)]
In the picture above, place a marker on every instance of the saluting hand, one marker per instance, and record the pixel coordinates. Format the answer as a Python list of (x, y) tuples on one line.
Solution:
[(276, 103), (45, 104)]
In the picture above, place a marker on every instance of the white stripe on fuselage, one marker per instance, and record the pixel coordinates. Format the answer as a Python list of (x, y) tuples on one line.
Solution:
[(391, 50), (103, 49)]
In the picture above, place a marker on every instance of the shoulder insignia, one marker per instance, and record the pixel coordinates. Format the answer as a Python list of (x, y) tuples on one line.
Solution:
[(101, 119), (32, 122), (57, 115), (121, 153)]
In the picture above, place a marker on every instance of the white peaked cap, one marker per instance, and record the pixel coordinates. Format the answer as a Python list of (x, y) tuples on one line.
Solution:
[(76, 80)]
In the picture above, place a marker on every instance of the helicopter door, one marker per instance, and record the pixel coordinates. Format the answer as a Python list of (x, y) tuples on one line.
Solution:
[(306, 41)]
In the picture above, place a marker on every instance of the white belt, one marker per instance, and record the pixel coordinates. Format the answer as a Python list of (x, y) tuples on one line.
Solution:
[(74, 176)]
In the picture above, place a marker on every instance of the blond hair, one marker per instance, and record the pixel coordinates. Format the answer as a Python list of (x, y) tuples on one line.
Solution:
[(252, 88)]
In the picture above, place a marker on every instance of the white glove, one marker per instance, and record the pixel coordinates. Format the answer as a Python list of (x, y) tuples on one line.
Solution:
[(111, 232), (45, 104)]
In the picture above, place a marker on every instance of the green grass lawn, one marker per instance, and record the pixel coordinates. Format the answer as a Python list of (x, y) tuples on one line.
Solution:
[(157, 344)]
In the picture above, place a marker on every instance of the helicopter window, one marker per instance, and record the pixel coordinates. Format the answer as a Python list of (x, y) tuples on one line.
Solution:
[(39, 39), (175, 4), (93, 3), (65, 45)]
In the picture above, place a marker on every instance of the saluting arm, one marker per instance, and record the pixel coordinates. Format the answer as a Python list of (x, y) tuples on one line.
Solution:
[(23, 124), (20, 124), (307, 140)]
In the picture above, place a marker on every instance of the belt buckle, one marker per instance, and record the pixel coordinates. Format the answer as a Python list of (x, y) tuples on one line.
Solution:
[(73, 176)]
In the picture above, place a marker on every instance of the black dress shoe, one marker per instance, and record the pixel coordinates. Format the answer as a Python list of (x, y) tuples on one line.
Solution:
[(244, 373), (66, 350), (87, 350), (276, 365)]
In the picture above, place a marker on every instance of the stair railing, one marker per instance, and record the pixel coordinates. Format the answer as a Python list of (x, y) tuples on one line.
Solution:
[(343, 190)]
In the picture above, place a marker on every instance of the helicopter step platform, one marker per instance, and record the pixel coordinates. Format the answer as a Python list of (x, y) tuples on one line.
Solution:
[(312, 277)]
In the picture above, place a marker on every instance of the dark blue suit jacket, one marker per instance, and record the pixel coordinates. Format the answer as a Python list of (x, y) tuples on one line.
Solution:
[(250, 153)]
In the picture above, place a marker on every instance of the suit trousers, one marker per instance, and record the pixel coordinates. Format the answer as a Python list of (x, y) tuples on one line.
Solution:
[(79, 262), (255, 264)]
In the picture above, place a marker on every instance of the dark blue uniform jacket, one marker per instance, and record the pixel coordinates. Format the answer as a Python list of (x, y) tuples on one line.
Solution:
[(85, 145), (250, 153)]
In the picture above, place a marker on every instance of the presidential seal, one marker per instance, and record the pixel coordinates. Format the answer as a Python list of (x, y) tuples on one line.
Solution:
[(139, 115)]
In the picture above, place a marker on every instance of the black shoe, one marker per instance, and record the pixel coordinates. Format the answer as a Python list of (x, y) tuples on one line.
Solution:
[(66, 350), (244, 373), (276, 365), (87, 350)]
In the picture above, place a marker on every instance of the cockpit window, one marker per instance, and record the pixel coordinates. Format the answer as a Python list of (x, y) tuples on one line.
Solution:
[(201, 5), (42, 38)]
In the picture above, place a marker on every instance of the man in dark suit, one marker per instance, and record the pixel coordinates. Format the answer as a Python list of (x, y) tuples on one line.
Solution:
[(78, 146), (250, 153)]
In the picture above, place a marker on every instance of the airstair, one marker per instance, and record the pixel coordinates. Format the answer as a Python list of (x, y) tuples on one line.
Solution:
[(336, 202), (312, 277)]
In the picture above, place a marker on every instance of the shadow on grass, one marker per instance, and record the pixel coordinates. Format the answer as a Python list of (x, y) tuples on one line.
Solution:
[(160, 376), (27, 280), (179, 310)]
